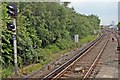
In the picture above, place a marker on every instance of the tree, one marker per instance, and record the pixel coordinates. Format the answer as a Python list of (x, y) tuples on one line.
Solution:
[(66, 3)]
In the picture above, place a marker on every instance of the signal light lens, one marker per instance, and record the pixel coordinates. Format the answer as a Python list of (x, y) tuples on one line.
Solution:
[(12, 10), (10, 26)]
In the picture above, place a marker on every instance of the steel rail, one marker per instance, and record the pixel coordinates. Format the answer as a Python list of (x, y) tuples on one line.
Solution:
[(62, 68), (91, 67)]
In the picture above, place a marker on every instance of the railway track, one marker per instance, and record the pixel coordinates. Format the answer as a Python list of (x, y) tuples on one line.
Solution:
[(68, 67), (60, 61), (80, 66), (108, 59)]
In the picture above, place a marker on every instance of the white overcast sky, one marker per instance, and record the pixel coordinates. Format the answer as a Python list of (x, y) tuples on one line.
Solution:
[(107, 10)]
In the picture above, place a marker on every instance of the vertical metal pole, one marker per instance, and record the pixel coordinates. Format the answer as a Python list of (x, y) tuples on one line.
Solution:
[(77, 45), (118, 39), (15, 48)]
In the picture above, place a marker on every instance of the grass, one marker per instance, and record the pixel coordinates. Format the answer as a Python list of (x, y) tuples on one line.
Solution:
[(86, 39), (34, 67), (0, 72), (7, 71), (29, 69)]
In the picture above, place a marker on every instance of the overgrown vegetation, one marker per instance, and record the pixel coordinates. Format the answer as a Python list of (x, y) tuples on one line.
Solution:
[(44, 29)]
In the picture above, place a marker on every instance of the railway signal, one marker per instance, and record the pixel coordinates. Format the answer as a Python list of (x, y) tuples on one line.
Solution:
[(12, 11), (10, 26)]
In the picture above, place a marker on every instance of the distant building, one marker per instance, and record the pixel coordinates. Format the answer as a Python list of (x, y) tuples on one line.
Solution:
[(119, 11)]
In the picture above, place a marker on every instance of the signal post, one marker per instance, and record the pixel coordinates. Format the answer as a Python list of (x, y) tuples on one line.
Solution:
[(12, 11)]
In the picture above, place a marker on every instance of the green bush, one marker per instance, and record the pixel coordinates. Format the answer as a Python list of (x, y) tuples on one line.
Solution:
[(54, 48), (87, 39), (7, 71), (63, 44)]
